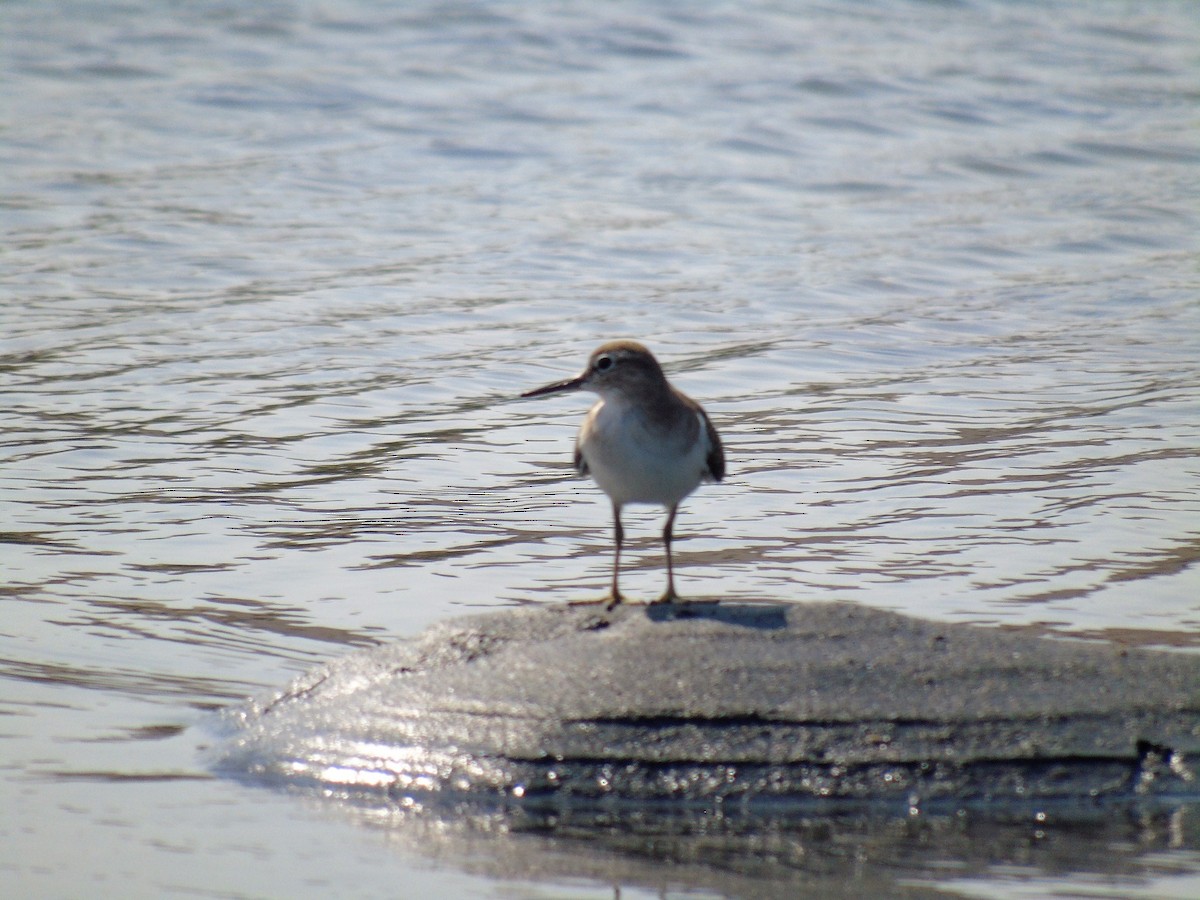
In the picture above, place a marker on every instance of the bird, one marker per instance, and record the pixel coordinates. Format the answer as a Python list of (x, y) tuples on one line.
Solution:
[(643, 442)]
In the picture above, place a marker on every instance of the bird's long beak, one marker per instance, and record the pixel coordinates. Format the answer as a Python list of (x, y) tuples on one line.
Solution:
[(571, 384)]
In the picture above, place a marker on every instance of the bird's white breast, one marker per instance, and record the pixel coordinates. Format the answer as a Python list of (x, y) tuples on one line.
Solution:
[(635, 460)]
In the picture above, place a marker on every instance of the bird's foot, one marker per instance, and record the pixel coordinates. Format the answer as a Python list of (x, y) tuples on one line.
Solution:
[(614, 599), (668, 597)]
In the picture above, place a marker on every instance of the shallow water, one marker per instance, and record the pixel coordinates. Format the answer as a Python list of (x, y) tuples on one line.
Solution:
[(274, 273)]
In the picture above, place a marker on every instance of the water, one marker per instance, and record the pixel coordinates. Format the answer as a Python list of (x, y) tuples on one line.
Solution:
[(273, 273)]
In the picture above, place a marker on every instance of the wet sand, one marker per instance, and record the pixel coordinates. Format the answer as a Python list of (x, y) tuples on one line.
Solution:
[(759, 704)]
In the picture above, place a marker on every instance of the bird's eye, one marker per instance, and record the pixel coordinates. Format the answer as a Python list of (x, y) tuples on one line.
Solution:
[(604, 363)]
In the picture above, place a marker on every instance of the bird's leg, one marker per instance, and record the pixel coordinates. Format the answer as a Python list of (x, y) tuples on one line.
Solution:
[(670, 596), (618, 538)]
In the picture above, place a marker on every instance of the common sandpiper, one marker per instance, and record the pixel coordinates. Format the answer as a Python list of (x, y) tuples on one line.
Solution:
[(642, 442)]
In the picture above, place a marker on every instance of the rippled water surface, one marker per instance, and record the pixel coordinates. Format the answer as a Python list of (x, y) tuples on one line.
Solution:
[(273, 274)]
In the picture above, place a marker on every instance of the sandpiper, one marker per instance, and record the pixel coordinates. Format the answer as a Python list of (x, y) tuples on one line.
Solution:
[(643, 441)]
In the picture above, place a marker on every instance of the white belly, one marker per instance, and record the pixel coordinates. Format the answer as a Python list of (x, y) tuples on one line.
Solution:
[(634, 462)]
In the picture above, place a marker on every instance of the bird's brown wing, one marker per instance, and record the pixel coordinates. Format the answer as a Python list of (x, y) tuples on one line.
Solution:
[(581, 466), (715, 461)]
